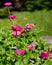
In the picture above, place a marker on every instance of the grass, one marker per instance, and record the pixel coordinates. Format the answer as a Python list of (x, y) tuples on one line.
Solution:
[(42, 19)]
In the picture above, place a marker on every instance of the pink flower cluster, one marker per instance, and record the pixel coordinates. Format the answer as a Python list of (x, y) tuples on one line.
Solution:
[(29, 26), (7, 4), (12, 16), (19, 51), (45, 54), (16, 33), (17, 30)]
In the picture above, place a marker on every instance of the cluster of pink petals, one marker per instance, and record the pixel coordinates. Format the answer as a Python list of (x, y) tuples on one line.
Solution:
[(12, 16), (29, 26), (19, 51), (7, 4), (16, 33), (45, 54), (17, 30), (30, 47)]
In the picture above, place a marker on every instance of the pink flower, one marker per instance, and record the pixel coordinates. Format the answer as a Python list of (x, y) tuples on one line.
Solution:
[(16, 51), (29, 26), (18, 33), (14, 33), (45, 55), (19, 51), (12, 16), (22, 51), (7, 4), (30, 47), (19, 28)]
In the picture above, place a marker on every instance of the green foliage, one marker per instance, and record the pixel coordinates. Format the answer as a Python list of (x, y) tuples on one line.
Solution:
[(7, 55), (31, 5), (48, 62), (37, 4)]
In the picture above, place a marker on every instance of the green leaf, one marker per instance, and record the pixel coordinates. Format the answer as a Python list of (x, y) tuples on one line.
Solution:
[(48, 62), (37, 63), (1, 63), (17, 63)]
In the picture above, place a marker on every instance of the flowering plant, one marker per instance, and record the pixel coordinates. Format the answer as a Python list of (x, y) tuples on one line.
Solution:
[(23, 46), (17, 46), (6, 9)]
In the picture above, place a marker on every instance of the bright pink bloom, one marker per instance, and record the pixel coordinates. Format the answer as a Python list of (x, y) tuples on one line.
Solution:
[(18, 33), (29, 26), (14, 33), (22, 51), (16, 51), (19, 28), (19, 51), (30, 47), (45, 55), (7, 4), (12, 16)]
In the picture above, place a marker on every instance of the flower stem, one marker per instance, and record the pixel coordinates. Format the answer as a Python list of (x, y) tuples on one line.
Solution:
[(8, 11), (12, 21)]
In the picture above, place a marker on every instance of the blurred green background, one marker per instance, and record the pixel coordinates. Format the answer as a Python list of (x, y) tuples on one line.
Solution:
[(29, 5)]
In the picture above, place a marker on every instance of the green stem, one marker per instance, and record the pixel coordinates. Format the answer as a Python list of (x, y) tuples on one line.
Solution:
[(8, 11), (12, 21)]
